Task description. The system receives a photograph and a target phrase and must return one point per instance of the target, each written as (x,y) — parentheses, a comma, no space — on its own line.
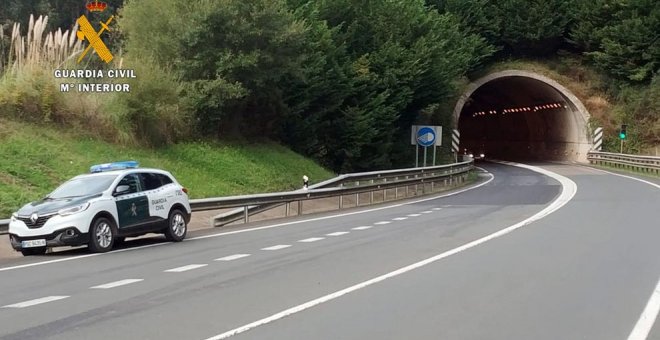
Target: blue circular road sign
(426,136)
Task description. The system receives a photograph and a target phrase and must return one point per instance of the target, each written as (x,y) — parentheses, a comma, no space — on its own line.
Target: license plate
(33,243)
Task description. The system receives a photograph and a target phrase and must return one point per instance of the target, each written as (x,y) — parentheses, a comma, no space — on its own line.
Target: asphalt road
(586,271)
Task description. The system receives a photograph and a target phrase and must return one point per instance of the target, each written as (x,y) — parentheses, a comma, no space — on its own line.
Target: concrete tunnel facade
(520,115)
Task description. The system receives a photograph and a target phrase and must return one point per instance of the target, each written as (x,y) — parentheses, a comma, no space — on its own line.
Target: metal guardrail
(339,186)
(4,225)
(649,164)
(349,184)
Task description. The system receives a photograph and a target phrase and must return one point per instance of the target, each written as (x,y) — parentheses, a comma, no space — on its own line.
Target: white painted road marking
(382,223)
(436,209)
(185,268)
(646,320)
(338,233)
(312,239)
(362,227)
(427,212)
(28,265)
(569,188)
(414,215)
(232,257)
(399,218)
(277,247)
(36,302)
(116,284)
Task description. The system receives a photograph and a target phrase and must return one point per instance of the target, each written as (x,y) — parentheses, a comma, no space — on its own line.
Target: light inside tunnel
(520,118)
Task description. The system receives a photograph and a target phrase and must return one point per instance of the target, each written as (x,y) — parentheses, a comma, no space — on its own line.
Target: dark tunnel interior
(521,118)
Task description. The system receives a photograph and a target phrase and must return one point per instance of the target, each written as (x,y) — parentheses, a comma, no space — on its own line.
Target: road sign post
(425,136)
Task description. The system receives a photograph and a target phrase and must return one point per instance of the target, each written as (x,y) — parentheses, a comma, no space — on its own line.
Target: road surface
(409,270)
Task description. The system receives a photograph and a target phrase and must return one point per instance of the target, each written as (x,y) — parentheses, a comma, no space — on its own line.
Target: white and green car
(115,201)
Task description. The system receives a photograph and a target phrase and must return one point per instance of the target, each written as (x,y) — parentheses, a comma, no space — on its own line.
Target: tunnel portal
(519,115)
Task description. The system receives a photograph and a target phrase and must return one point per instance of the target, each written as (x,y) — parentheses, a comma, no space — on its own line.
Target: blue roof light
(114,166)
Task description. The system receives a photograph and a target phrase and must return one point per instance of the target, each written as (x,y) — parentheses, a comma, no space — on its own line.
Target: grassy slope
(35,159)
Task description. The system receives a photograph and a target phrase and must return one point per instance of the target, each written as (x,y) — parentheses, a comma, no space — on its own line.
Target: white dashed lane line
(185,268)
(116,284)
(312,239)
(436,209)
(232,257)
(339,233)
(35,302)
(362,227)
(277,247)
(382,222)
(427,212)
(399,218)
(414,215)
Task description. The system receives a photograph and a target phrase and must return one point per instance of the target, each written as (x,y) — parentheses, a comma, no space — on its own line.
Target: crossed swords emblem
(88,32)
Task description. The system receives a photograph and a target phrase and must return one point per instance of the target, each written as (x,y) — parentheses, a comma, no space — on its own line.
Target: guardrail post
(341,198)
(371,194)
(246,214)
(407,186)
(288,209)
(300,207)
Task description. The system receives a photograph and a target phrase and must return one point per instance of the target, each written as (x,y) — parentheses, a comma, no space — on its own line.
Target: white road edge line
(647,319)
(253,229)
(116,284)
(277,247)
(312,239)
(185,268)
(365,227)
(36,302)
(569,189)
(650,313)
(338,233)
(232,257)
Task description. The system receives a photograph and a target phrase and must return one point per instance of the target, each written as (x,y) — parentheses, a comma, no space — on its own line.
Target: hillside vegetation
(339,81)
(37,158)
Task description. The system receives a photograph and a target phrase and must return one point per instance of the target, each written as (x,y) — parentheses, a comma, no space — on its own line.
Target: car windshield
(83,186)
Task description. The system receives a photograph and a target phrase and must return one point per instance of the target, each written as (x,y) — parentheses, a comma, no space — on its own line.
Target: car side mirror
(121,189)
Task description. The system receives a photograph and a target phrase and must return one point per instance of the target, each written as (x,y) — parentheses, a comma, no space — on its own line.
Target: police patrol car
(102,208)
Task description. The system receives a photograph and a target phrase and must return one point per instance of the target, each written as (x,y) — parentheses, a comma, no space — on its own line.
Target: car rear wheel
(101,235)
(33,251)
(176,226)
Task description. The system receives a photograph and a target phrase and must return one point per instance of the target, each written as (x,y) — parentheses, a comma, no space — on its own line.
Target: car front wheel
(176,226)
(101,235)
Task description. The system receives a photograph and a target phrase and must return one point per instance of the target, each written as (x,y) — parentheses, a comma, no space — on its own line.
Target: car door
(157,195)
(132,205)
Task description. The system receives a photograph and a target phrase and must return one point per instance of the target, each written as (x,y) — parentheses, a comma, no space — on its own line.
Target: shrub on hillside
(150,113)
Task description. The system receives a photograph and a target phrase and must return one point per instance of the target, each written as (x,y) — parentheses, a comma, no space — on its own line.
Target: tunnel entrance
(519,115)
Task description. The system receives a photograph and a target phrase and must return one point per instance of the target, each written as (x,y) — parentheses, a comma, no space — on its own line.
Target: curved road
(586,271)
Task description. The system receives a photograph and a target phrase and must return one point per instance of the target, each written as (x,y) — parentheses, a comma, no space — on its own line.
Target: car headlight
(471,155)
(73,210)
(482,155)
(14,216)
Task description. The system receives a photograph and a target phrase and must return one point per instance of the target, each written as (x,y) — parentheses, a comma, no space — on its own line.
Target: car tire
(101,235)
(177,227)
(33,251)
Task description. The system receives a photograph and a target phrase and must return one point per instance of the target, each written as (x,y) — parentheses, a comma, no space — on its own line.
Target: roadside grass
(36,158)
